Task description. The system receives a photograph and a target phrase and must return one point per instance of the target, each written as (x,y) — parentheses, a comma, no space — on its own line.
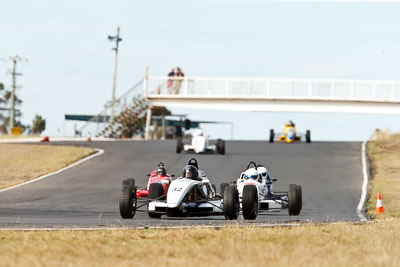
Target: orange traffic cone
(379,206)
(89,138)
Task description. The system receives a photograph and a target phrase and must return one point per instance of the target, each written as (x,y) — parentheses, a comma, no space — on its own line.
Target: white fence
(271,88)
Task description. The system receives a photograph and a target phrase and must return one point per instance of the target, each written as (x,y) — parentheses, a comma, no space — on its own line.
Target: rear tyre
(271,136)
(295,199)
(221,146)
(222,188)
(127,202)
(231,202)
(250,202)
(300,198)
(129,181)
(156,191)
(179,145)
(308,136)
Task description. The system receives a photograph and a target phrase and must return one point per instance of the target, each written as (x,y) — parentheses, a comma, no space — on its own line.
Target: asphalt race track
(88,194)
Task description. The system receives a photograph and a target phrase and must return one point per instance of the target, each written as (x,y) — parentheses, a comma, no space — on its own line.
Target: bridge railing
(324,89)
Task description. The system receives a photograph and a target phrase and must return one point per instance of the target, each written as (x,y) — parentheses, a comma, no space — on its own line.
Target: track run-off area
(87,195)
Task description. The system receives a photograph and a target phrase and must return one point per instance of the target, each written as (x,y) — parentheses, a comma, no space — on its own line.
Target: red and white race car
(157,188)
(157,176)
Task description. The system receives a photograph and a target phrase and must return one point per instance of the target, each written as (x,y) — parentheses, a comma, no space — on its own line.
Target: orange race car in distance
(289,134)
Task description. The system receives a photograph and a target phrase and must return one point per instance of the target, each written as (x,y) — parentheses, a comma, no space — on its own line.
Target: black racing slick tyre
(300,198)
(308,136)
(250,202)
(222,188)
(156,191)
(271,136)
(231,203)
(179,145)
(221,147)
(295,199)
(129,181)
(127,202)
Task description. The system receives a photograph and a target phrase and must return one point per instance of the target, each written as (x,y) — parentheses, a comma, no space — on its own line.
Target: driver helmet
(161,164)
(198,132)
(190,172)
(290,123)
(161,171)
(263,171)
(251,174)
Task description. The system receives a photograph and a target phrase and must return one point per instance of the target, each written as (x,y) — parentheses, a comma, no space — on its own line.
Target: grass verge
(20,163)
(384,157)
(372,244)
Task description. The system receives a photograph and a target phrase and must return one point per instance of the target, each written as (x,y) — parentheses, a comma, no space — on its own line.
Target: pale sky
(70,62)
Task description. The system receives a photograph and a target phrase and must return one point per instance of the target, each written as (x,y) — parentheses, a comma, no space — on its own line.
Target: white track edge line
(171,227)
(361,204)
(98,150)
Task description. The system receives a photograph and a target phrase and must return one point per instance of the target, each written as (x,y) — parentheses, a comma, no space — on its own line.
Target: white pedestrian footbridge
(247,94)
(274,94)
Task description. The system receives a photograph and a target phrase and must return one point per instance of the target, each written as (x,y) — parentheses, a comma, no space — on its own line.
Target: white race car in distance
(200,144)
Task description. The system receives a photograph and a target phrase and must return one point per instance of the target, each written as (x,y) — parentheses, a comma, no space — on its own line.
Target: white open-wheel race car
(191,194)
(256,194)
(200,144)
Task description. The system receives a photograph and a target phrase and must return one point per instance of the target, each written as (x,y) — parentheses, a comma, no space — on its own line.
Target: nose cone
(290,136)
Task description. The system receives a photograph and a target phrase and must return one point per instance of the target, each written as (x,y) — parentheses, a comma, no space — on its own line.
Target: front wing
(200,208)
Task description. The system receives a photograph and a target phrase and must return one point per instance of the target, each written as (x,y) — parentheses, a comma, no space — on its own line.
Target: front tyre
(221,146)
(231,203)
(179,145)
(271,136)
(295,199)
(127,202)
(308,136)
(156,191)
(250,202)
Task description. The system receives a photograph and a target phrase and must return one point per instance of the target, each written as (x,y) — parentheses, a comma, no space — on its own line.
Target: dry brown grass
(20,163)
(330,245)
(385,162)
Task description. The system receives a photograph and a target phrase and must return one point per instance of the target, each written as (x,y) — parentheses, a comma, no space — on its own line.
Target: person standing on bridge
(178,82)
(170,82)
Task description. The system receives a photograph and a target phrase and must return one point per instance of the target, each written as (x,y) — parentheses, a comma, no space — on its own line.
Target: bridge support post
(163,126)
(148,121)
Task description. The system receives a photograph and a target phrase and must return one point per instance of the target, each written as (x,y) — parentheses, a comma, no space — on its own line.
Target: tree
(3,109)
(5,99)
(137,127)
(38,125)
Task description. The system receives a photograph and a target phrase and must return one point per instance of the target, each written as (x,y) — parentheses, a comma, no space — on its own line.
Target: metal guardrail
(271,88)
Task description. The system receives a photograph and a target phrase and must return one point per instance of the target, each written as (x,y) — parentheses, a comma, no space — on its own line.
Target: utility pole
(14,60)
(117,39)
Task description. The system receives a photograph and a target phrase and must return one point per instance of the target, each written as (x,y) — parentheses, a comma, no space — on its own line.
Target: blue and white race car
(256,194)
